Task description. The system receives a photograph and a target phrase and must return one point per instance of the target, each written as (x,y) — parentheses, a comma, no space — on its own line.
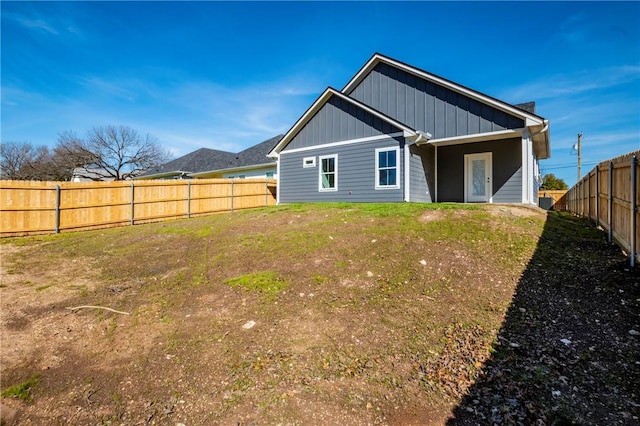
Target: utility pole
(579,156)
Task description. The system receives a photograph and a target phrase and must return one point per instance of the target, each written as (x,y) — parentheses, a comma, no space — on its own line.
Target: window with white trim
(328,171)
(387,168)
(308,162)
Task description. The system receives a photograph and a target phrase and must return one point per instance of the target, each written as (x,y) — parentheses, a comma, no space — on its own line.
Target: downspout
(278,178)
(407,172)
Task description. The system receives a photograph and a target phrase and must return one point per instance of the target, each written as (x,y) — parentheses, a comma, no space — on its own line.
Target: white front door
(477,178)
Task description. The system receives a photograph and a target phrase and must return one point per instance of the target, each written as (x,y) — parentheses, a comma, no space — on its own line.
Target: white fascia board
(233,169)
(480,137)
(315,107)
(530,119)
(341,143)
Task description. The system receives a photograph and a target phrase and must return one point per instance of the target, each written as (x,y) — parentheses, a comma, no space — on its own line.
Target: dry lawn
(302,314)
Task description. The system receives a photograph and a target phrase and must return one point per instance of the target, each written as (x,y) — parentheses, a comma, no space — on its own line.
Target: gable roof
(257,154)
(197,161)
(205,160)
(319,103)
(537,125)
(473,94)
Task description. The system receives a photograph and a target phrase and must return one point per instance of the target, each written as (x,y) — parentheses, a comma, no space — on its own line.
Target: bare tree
(23,161)
(110,153)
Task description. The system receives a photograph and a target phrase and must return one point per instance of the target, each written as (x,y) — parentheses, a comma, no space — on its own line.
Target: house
(88,174)
(250,163)
(211,163)
(397,133)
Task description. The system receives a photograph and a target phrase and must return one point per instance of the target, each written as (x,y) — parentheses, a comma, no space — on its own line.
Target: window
(387,168)
(328,173)
(270,175)
(309,162)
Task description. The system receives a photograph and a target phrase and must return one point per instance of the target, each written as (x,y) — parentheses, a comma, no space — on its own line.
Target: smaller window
(309,162)
(328,173)
(387,168)
(270,175)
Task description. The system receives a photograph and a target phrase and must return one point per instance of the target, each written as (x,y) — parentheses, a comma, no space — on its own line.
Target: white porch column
(527,167)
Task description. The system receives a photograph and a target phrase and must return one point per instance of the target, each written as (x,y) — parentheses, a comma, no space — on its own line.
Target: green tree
(551,182)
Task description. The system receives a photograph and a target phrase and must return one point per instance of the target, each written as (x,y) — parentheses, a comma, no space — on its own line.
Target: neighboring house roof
(257,154)
(196,161)
(254,157)
(319,103)
(537,125)
(205,161)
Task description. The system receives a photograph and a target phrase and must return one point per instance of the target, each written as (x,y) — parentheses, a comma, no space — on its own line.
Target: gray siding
(422,174)
(423,105)
(356,174)
(336,121)
(507,170)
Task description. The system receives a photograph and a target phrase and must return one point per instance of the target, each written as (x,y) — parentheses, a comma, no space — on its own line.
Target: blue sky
(227,75)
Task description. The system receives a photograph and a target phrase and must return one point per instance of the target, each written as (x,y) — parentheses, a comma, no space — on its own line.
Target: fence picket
(619,216)
(47,207)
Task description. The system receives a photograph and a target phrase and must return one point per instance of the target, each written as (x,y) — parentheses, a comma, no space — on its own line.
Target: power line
(566,166)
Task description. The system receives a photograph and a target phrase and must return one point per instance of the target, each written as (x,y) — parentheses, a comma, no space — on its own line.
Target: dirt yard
(327,314)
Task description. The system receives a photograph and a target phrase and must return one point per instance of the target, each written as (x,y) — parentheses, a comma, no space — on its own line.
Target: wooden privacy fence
(51,207)
(558,196)
(608,194)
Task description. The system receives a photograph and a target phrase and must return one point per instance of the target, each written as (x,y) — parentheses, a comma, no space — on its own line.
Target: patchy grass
(21,391)
(265,282)
(363,313)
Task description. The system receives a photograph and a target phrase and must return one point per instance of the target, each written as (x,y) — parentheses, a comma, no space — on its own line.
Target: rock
(634,332)
(555,393)
(423,262)
(514,345)
(249,325)
(369,274)
(566,341)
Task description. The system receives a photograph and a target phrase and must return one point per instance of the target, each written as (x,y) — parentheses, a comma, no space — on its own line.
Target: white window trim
(377,171)
(308,162)
(335,180)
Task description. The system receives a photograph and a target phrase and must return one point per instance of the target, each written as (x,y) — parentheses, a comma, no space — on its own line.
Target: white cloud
(572,84)
(51,25)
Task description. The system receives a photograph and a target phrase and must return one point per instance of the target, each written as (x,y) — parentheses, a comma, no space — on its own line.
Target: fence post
(132,204)
(188,200)
(57,219)
(589,196)
(597,203)
(634,208)
(231,195)
(610,219)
